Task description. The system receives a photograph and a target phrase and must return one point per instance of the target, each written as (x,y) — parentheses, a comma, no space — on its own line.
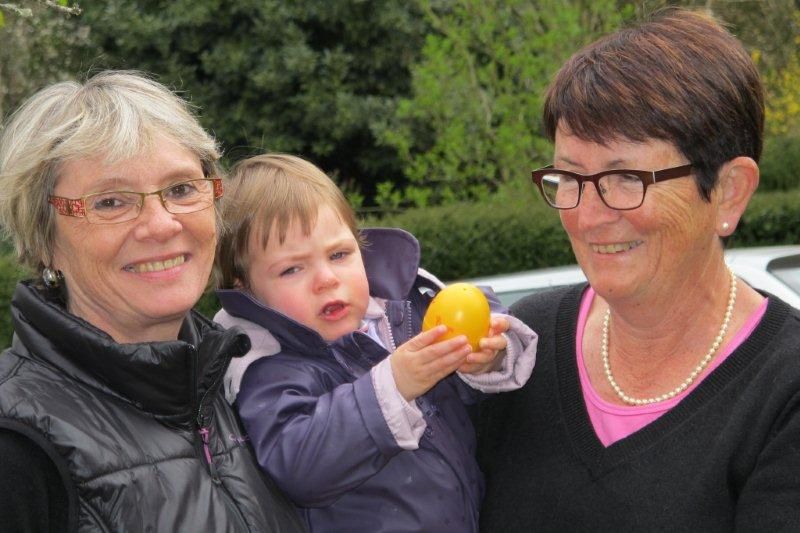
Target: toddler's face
(317,279)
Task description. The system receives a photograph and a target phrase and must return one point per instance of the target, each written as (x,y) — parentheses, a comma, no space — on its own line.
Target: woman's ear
(738,179)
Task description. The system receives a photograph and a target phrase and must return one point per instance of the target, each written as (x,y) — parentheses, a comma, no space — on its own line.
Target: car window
(509,297)
(787,269)
(788,275)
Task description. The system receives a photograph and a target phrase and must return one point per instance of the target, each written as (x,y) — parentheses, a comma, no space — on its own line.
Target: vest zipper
(204,430)
(212,468)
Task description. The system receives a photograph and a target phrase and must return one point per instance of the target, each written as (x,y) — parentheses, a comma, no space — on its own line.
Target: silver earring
(725,226)
(52,278)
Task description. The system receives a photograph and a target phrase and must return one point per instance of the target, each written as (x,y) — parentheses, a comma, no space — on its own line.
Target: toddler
(358,417)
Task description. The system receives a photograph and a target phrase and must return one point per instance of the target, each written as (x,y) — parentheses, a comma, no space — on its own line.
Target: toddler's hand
(491,346)
(421,363)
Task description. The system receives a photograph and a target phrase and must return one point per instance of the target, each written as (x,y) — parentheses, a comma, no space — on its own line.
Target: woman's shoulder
(778,329)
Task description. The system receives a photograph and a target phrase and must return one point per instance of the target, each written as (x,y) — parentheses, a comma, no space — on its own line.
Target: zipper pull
(212,469)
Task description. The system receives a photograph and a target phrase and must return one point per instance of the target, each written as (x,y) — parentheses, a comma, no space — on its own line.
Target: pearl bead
(692,376)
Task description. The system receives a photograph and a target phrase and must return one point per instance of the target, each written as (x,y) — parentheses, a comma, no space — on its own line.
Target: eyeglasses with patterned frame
(620,189)
(114,207)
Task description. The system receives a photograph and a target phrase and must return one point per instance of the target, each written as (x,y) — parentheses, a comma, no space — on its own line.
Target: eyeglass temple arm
(68,206)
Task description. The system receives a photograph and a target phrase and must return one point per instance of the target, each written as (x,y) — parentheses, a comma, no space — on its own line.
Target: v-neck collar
(587,446)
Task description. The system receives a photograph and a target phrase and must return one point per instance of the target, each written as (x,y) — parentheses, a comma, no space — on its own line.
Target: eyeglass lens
(619,191)
(120,206)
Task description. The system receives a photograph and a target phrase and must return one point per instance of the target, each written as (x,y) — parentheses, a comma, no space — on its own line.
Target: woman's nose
(592,209)
(155,222)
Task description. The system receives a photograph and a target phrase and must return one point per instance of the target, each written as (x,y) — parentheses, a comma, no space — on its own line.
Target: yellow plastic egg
(461,307)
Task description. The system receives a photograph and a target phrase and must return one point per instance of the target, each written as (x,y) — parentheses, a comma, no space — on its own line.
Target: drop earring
(52,278)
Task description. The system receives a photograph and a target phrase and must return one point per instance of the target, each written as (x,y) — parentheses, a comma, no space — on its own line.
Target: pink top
(613,422)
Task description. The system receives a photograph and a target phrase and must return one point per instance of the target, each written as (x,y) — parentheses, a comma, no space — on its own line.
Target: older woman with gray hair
(111,415)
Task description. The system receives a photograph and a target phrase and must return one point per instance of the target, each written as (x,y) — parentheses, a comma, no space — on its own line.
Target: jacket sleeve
(317,441)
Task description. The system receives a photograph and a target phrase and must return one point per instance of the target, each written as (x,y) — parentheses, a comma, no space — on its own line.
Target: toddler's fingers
(436,351)
(495,343)
(482,357)
(447,363)
(426,338)
(498,325)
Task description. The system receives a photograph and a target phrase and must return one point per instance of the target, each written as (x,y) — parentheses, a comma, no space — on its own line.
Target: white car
(775,269)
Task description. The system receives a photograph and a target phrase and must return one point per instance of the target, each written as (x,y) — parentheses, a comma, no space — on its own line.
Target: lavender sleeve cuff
(517,363)
(404,419)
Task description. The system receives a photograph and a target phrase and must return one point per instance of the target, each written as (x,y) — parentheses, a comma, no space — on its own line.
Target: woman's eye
(108,202)
(186,189)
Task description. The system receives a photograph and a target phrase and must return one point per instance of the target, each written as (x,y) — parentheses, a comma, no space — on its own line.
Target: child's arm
(502,365)
(318,443)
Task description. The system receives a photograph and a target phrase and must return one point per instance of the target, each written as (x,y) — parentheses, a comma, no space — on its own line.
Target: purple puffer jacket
(313,417)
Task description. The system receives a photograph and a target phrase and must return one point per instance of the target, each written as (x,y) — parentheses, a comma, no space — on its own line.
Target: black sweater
(726,457)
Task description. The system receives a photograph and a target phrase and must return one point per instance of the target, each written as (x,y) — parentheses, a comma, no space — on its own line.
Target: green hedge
(10,272)
(518,233)
(468,240)
(779,164)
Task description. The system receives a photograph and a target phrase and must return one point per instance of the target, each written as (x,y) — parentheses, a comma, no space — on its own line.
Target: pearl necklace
(697,370)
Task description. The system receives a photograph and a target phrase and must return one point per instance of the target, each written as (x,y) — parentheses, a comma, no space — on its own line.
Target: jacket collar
(167,379)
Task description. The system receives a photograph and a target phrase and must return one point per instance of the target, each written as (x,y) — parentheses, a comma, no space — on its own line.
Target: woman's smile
(156,266)
(615,247)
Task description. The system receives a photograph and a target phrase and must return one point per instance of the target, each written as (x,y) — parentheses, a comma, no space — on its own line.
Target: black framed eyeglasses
(113,207)
(620,189)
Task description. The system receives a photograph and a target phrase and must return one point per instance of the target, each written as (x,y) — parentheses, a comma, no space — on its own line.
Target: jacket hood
(391,259)
(166,379)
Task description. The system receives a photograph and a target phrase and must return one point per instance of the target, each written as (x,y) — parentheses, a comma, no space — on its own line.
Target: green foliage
(472,239)
(10,273)
(771,218)
(473,120)
(208,304)
(304,77)
(39,45)
(780,163)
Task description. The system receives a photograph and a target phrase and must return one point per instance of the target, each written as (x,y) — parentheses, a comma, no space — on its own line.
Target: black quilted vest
(140,432)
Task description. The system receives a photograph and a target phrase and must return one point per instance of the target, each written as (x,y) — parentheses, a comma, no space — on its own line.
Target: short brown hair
(680,77)
(266,191)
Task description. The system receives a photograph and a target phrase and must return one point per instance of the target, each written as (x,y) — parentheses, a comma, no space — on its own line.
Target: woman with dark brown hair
(667,391)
